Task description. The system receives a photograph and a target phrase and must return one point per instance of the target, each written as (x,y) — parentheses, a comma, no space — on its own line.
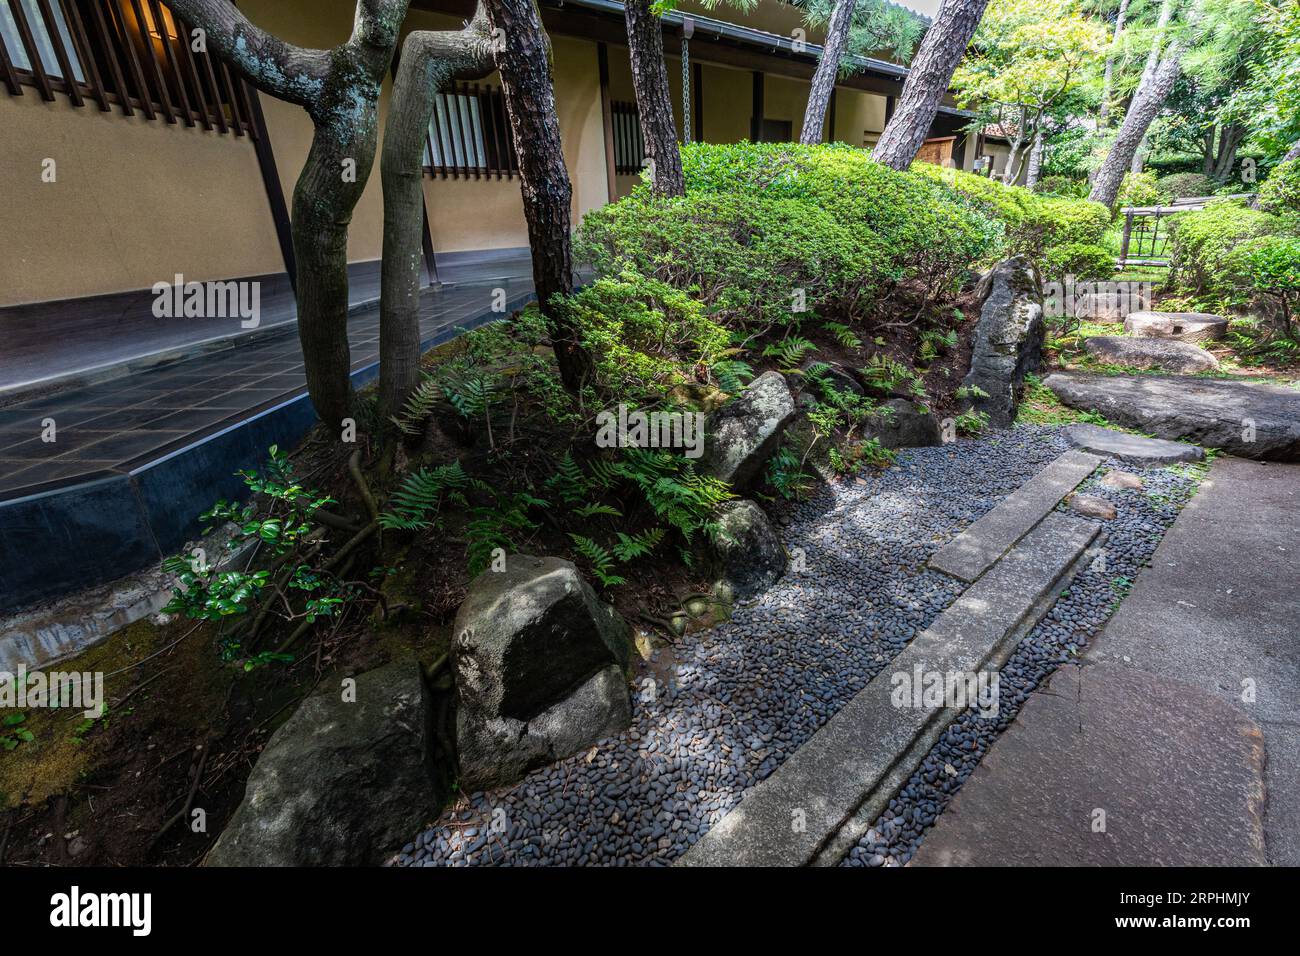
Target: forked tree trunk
(522,58)
(429,59)
(654,103)
(927,82)
(828,68)
(339,89)
(1146,104)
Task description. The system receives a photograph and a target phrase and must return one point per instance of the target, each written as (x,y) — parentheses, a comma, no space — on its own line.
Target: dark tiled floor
(115,426)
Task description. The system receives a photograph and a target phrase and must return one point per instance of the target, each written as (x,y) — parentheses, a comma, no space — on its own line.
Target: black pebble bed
(745,694)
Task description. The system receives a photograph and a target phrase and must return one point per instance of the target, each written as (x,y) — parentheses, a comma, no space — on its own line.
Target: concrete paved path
(1159,721)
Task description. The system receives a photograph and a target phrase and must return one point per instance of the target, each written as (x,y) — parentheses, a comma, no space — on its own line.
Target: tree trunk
(927,82)
(339,88)
(645,41)
(1035,161)
(522,58)
(1148,75)
(1207,150)
(1146,104)
(1229,141)
(428,60)
(828,68)
(1107,80)
(1293,152)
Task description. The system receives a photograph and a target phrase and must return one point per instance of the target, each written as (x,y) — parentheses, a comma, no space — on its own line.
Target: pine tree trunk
(1138,159)
(1229,141)
(1293,152)
(828,68)
(1107,81)
(429,60)
(645,41)
(522,57)
(1146,104)
(927,82)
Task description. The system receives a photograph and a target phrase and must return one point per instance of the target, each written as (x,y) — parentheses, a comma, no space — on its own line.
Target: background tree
(1150,96)
(1108,71)
(645,44)
(339,89)
(522,57)
(428,60)
(1031,62)
(927,81)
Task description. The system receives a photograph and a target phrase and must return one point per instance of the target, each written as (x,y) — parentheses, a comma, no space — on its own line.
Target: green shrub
(1036,225)
(1280,193)
(1062,186)
(1202,241)
(744,256)
(769,233)
(1268,268)
(1184,186)
(1082,260)
(1139,189)
(642,332)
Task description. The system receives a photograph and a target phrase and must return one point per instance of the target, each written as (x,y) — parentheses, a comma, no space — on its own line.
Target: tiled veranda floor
(115,426)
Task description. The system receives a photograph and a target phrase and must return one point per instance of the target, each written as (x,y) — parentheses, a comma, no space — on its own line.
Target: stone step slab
(975,550)
(1169,355)
(817,803)
(1134,449)
(1180,326)
(1248,419)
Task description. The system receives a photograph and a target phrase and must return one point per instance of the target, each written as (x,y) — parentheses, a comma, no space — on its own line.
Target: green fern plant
(789,352)
(601,561)
(732,374)
(417,502)
(631,547)
(843,334)
(418,407)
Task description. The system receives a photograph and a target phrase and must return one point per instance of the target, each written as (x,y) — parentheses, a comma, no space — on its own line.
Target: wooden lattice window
(469,134)
(130,54)
(629,144)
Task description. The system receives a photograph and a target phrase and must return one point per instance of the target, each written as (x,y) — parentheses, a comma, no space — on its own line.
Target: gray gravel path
(745,694)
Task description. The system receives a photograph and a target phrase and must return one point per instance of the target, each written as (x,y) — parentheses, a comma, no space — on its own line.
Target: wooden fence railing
(1146,229)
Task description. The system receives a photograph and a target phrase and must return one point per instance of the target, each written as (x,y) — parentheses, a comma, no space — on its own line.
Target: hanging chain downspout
(688,30)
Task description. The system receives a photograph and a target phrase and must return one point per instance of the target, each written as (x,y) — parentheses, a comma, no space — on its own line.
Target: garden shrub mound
(1203,242)
(1061,234)
(769,231)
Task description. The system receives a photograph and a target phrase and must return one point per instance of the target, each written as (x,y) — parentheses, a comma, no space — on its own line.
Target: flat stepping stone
(1180,326)
(1177,772)
(974,551)
(1169,355)
(1131,448)
(845,774)
(1243,418)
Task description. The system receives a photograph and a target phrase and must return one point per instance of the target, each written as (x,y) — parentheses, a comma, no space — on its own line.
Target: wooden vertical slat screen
(473,116)
(108,55)
(629,148)
(33,54)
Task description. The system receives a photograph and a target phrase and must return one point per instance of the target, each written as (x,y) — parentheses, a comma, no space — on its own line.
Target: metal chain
(686,90)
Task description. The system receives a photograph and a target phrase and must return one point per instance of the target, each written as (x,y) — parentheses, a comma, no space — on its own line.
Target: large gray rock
(901,423)
(1179,326)
(1246,419)
(746,553)
(535,657)
(1008,338)
(1167,354)
(743,434)
(339,783)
